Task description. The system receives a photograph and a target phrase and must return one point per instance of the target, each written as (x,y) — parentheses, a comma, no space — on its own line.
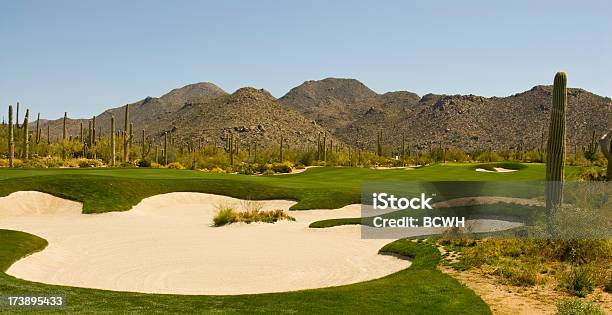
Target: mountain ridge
(352,113)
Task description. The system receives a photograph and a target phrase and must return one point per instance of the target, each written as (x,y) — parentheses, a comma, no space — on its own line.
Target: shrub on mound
(227,215)
(175,166)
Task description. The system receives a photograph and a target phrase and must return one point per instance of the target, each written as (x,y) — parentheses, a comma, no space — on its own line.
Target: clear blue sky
(85,56)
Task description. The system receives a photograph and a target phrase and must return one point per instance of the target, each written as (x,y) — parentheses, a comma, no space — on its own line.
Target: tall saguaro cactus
(606,149)
(11,138)
(127,134)
(113,144)
(555,153)
(166,148)
(38,129)
(26,136)
(64,136)
(281,149)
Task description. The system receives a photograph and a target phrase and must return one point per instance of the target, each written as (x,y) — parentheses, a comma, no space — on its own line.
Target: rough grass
(576,306)
(420,289)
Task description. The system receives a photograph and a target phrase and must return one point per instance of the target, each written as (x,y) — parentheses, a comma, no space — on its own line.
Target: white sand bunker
(495,170)
(166,245)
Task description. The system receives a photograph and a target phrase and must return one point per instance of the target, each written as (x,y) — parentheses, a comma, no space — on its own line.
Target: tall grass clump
(576,306)
(225,215)
(580,281)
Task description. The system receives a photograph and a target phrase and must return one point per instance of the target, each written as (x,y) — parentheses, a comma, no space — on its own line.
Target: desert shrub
(608,283)
(144,163)
(225,215)
(488,156)
(90,163)
(307,158)
(285,167)
(156,165)
(592,173)
(175,166)
(217,170)
(271,216)
(519,276)
(579,281)
(252,213)
(5,162)
(575,306)
(70,163)
(534,156)
(456,155)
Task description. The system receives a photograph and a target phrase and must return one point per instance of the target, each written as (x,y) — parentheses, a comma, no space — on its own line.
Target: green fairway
(102,190)
(420,289)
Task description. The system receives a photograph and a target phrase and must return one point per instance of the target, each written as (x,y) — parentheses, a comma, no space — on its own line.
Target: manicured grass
(102,190)
(420,289)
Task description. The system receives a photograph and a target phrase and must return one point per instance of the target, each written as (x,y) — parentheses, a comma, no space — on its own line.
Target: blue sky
(85,56)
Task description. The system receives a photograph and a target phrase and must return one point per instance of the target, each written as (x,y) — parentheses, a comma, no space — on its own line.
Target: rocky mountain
(352,114)
(466,121)
(205,113)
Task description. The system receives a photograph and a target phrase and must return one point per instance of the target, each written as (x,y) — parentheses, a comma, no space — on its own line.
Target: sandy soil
(166,244)
(510,300)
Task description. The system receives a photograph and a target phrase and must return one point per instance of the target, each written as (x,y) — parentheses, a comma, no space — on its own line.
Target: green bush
(285,167)
(575,306)
(225,215)
(144,163)
(90,163)
(175,166)
(579,281)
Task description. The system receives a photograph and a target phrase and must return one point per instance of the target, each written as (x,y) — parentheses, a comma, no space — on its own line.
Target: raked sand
(166,244)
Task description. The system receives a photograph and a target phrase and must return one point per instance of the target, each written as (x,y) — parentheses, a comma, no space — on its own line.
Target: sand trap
(496,170)
(166,244)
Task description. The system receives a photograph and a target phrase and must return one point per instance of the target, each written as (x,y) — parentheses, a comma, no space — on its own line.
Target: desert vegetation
(251,212)
(27,148)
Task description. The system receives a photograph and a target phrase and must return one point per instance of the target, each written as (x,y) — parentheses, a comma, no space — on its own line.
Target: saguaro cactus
(93,131)
(37,138)
(26,136)
(555,152)
(64,135)
(113,144)
(606,149)
(11,143)
(166,148)
(143,151)
(126,135)
(17,119)
(281,149)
